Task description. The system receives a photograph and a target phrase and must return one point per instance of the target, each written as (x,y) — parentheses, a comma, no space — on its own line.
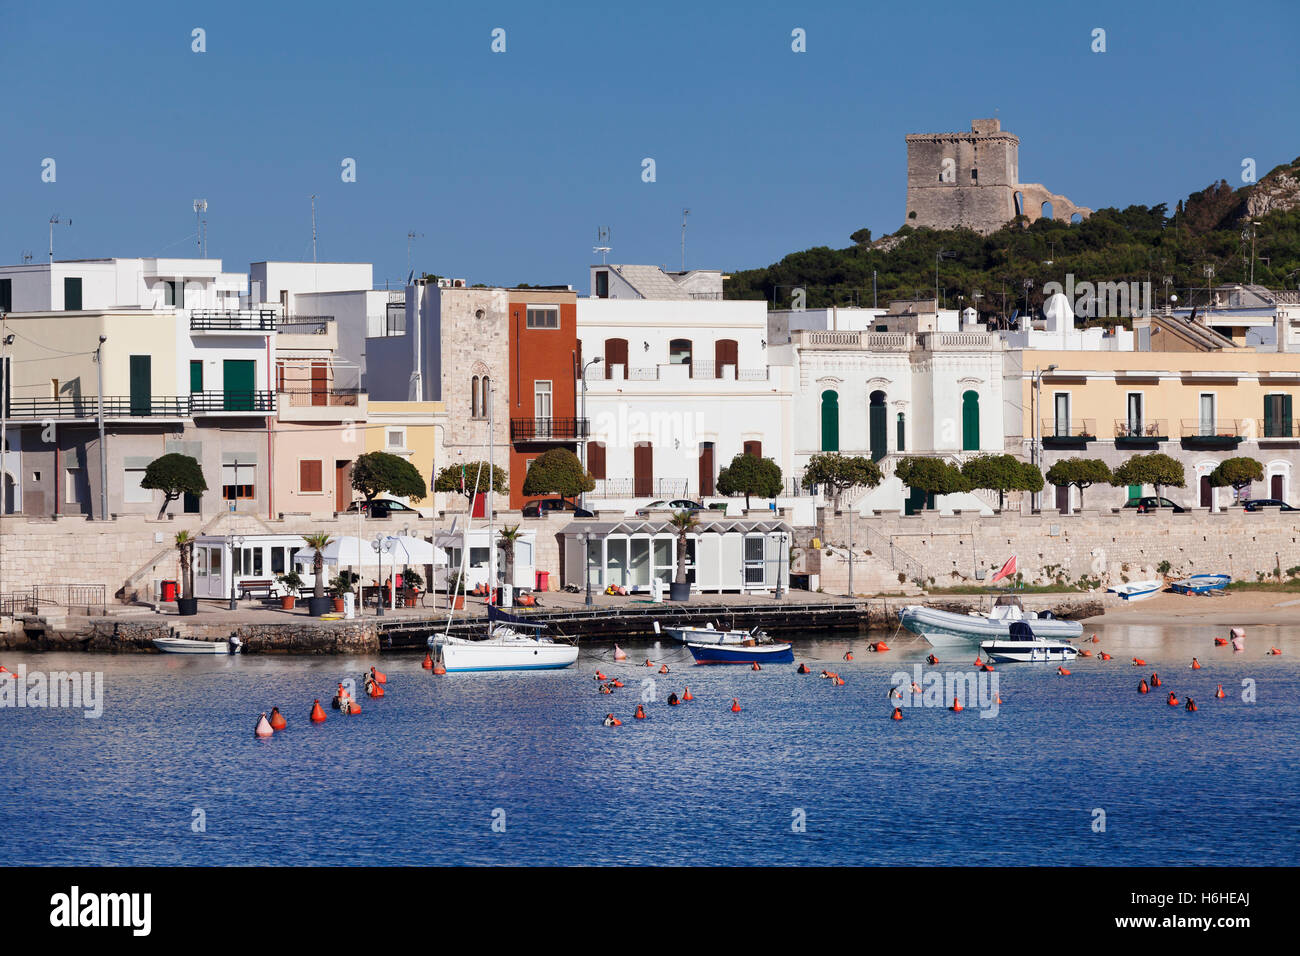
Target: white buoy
(263,728)
(619,653)
(1238,638)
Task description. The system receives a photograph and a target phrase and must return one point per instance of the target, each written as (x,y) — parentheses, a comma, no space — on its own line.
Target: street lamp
(586,564)
(103,447)
(783,560)
(381,545)
(235,540)
(582,500)
(1036,452)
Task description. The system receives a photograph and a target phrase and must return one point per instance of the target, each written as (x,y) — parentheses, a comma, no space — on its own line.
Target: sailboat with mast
(510,642)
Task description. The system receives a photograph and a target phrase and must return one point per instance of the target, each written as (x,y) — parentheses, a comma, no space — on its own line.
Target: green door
(879,426)
(830,421)
(196,376)
(970,421)
(141,384)
(1134,491)
(238,378)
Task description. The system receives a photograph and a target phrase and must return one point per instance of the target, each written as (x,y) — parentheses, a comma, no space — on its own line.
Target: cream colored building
(414,431)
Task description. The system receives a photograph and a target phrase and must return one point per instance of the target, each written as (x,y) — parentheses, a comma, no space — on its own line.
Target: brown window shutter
(596,459)
(309,475)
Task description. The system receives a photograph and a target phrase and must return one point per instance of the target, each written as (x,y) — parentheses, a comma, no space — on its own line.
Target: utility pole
(103,447)
(850,552)
(313,227)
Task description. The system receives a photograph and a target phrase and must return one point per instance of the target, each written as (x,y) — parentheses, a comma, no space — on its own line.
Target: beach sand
(1226,609)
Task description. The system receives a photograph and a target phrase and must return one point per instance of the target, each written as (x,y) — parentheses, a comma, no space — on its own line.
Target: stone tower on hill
(972,180)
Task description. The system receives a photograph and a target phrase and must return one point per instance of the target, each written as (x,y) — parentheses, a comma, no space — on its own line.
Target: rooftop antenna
(685,213)
(313,227)
(56,221)
(27,256)
(602,243)
(411,237)
(200,207)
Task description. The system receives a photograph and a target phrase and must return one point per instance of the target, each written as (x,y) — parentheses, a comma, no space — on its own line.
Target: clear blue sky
(508,162)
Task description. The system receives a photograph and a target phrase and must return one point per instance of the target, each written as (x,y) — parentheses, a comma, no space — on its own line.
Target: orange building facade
(544,378)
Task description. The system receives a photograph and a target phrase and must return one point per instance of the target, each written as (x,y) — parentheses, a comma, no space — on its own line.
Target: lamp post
(1036,442)
(235,540)
(783,560)
(103,447)
(6,340)
(381,544)
(586,565)
(582,499)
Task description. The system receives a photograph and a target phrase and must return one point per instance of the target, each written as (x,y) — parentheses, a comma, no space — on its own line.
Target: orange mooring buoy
(616,683)
(1155,680)
(1139,662)
(735,706)
(1196,665)
(898,713)
(439,669)
(647,663)
(1063,671)
(879,647)
(640,712)
(837,681)
(804,669)
(986,666)
(687,695)
(1173,700)
(1085,653)
(848,655)
(428,661)
(1191,704)
(277,719)
(374,689)
(663,669)
(606,689)
(1220,642)
(379,676)
(978,662)
(1104,655)
(754,666)
(317,712)
(932,659)
(263,729)
(1274,652)
(1142,687)
(612,721)
(600,675)
(1096,639)
(956,706)
(1219,693)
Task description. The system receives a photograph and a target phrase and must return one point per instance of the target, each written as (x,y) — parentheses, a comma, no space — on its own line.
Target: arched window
(878,424)
(473,397)
(830,420)
(970,421)
(485,397)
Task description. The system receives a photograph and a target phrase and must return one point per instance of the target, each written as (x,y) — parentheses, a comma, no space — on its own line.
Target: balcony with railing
(1277,429)
(119,407)
(227,321)
(1134,431)
(701,370)
(548,429)
(1214,433)
(897,341)
(238,402)
(321,404)
(1063,433)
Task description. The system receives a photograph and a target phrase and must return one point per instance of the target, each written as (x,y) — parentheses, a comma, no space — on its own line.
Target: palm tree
(683,522)
(319,542)
(509,535)
(185,545)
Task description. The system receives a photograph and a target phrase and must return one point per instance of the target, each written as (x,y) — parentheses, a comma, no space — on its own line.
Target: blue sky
(508,162)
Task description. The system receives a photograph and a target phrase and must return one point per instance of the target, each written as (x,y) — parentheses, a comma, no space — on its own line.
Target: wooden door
(342,485)
(725,352)
(706,469)
(643,469)
(319,383)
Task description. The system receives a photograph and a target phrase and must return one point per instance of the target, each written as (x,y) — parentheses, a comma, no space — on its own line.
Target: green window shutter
(901,444)
(830,421)
(970,421)
(237,383)
(72,293)
(141,384)
(1285,424)
(1269,423)
(196,376)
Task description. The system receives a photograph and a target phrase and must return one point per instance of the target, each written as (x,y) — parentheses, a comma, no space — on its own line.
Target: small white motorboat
(185,645)
(504,648)
(1022,646)
(708,635)
(949,629)
(1137,590)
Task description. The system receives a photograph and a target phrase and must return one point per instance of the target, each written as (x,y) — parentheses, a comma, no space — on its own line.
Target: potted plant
(318,603)
(412,581)
(455,596)
(188,604)
(683,522)
(291,582)
(340,586)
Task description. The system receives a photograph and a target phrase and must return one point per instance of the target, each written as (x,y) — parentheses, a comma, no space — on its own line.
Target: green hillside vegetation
(1136,244)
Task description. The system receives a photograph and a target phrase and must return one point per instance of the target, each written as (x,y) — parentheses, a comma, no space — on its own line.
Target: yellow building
(1197,407)
(414,431)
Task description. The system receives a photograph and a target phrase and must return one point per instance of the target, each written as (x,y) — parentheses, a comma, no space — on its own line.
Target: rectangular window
(754,564)
(309,477)
(1207,414)
(71,479)
(542,408)
(174,294)
(237,481)
(72,293)
(543,317)
(6,295)
(196,376)
(131,490)
(602,284)
(396,438)
(1277,415)
(277,561)
(1136,424)
(1062,407)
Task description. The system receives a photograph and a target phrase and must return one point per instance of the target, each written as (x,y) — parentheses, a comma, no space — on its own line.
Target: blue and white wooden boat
(1201,583)
(741,653)
(1137,590)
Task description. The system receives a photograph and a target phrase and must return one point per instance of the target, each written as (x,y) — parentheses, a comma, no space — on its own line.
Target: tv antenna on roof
(685,213)
(200,207)
(602,243)
(56,221)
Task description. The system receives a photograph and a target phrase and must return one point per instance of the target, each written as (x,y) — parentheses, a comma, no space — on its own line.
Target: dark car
(1257,504)
(382,508)
(541,507)
(1152,503)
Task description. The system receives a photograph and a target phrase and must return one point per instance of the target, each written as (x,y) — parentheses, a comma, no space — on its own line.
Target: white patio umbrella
(344,551)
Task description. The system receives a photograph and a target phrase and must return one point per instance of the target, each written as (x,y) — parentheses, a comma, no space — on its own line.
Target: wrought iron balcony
(233,320)
(86,407)
(548,429)
(248,402)
(1140,431)
(1216,433)
(1277,429)
(1058,431)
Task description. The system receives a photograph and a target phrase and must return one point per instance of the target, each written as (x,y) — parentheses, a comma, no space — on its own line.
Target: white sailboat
(507,644)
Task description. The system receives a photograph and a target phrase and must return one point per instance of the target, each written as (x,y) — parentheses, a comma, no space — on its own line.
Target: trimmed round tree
(174,475)
(1080,472)
(379,473)
(1001,473)
(558,472)
(461,479)
(839,473)
(1237,473)
(750,475)
(1156,469)
(931,476)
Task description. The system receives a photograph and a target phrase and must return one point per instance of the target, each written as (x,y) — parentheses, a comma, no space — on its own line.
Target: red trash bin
(169,590)
(543,580)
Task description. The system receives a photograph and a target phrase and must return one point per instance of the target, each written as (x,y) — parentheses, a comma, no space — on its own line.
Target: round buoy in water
(848,655)
(374,689)
(687,695)
(1142,687)
(619,653)
(1191,704)
(898,713)
(663,669)
(277,719)
(616,683)
(754,666)
(1274,652)
(956,706)
(640,712)
(1219,693)
(1173,700)
(263,728)
(612,721)
(428,662)
(600,675)
(1155,680)
(932,659)
(379,676)
(439,669)
(735,706)
(647,663)
(1196,665)
(1063,671)
(803,669)
(1139,662)
(317,712)
(1104,656)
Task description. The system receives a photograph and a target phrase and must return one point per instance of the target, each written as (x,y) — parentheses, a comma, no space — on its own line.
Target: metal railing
(305,325)
(308,397)
(882,545)
(549,429)
(1150,429)
(233,320)
(32,599)
(1277,428)
(204,403)
(87,407)
(612,488)
(1212,428)
(1074,428)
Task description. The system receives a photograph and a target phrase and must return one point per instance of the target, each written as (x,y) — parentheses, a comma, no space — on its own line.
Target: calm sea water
(421,775)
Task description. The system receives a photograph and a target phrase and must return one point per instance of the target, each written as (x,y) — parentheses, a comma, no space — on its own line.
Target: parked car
(1256,504)
(1152,503)
(677,504)
(382,508)
(541,507)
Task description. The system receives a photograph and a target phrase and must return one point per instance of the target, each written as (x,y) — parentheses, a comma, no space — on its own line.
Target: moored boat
(1137,590)
(949,629)
(1201,583)
(748,653)
(507,647)
(708,635)
(1023,646)
(185,645)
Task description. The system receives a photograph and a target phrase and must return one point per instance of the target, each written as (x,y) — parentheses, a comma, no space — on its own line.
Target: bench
(266,587)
